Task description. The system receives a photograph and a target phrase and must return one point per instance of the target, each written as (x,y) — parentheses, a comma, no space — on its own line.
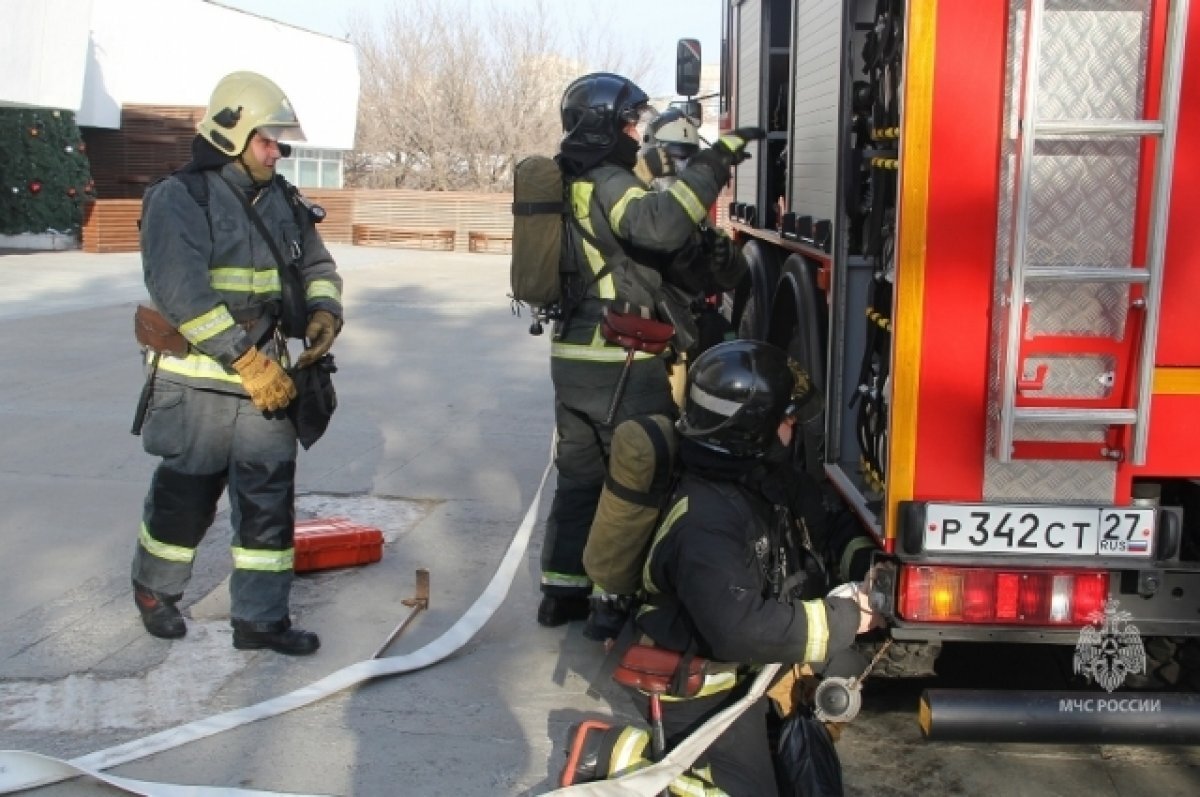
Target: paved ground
(441,436)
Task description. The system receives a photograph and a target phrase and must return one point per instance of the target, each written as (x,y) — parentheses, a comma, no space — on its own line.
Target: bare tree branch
(453,96)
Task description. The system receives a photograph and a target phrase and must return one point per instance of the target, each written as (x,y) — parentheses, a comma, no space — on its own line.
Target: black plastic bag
(806,761)
(315,400)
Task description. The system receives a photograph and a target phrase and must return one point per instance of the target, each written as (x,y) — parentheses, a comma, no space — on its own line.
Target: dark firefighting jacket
(718,584)
(211,274)
(630,235)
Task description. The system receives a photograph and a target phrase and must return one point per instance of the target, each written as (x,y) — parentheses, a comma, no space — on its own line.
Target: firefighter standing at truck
(723,577)
(710,265)
(216,415)
(706,266)
(620,235)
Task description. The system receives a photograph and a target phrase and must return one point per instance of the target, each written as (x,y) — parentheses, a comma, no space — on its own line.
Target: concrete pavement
(442,433)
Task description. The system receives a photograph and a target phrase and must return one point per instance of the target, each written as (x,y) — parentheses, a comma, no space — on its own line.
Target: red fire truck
(969,221)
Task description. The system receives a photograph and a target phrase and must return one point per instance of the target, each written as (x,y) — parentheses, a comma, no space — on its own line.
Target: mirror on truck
(687,67)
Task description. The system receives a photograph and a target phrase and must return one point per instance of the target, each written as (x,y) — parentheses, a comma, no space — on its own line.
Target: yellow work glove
(269,386)
(321,330)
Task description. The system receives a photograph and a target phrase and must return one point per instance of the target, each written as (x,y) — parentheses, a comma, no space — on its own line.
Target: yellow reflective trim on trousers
(592,353)
(677,511)
(714,683)
(244,280)
(322,289)
(817,646)
(686,197)
(581,203)
(629,752)
(196,366)
(205,326)
(552,579)
(162,550)
(267,561)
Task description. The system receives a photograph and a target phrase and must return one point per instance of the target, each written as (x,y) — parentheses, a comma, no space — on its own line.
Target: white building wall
(172,52)
(43,52)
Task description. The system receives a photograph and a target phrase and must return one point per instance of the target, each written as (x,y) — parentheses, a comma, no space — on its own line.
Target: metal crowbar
(416,603)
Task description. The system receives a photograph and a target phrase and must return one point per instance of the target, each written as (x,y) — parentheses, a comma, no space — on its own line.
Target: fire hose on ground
(20,770)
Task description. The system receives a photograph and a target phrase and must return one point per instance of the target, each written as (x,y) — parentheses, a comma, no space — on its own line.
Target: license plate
(1040,530)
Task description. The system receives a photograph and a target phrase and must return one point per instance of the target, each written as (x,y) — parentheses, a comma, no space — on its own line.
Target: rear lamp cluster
(940,594)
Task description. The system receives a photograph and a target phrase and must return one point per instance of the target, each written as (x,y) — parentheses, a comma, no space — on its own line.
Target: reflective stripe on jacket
(702,564)
(205,271)
(623,215)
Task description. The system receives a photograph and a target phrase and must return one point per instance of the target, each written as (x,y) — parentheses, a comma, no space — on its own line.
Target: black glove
(608,616)
(735,141)
(729,151)
(720,247)
(657,162)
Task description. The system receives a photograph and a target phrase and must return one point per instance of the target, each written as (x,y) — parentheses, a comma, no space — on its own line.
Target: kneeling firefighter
(212,236)
(724,578)
(620,237)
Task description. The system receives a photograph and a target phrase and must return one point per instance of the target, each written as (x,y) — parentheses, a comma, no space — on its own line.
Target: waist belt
(259,321)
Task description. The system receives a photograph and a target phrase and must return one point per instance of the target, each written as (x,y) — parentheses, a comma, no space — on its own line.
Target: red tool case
(326,543)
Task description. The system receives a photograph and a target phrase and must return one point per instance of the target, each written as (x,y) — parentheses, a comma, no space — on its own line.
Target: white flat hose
(654,779)
(21,770)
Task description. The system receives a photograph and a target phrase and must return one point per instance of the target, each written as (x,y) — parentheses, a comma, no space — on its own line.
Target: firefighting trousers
(208,442)
(582,393)
(738,763)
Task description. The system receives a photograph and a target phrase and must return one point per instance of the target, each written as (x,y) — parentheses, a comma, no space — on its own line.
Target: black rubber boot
(159,614)
(589,753)
(279,637)
(555,610)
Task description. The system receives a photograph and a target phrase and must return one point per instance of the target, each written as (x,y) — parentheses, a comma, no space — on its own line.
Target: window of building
(312,168)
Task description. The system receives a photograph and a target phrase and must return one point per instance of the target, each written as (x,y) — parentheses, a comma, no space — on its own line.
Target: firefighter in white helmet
(216,413)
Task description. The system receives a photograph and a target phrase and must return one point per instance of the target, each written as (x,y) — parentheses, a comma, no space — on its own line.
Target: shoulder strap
(257,221)
(197,186)
(662,480)
(293,312)
(609,255)
(306,212)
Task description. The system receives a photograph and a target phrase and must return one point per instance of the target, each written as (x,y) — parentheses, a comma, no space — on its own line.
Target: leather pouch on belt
(155,332)
(653,669)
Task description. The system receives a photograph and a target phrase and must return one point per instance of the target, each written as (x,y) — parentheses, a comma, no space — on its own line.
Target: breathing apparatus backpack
(641,475)
(542,261)
(539,210)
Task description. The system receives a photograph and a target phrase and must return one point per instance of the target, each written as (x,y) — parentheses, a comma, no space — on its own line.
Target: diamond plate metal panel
(1091,59)
(1081,212)
(1073,377)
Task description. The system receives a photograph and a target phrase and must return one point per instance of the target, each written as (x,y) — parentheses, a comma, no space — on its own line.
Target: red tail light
(939,594)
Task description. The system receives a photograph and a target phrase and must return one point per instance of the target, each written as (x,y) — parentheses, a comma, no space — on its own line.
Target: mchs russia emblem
(1110,648)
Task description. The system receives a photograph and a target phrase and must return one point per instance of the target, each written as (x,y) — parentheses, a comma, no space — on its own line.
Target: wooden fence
(446,220)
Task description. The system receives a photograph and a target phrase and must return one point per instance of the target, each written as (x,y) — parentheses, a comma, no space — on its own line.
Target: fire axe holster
(154,332)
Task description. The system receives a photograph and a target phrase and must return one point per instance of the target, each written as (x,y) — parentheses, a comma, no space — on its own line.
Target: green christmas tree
(44,173)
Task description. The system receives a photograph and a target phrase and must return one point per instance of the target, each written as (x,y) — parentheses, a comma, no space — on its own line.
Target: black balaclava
(624,152)
(205,156)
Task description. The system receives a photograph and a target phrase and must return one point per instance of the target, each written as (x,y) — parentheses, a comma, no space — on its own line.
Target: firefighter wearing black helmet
(722,574)
(621,234)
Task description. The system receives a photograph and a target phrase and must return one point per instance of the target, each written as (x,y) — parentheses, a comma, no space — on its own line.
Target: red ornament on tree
(35,186)
(71,192)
